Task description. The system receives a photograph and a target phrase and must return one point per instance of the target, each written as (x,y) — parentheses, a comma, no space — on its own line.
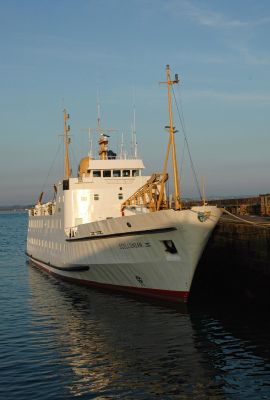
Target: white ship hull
(152,254)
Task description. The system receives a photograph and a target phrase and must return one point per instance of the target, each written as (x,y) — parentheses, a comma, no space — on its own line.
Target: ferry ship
(112,227)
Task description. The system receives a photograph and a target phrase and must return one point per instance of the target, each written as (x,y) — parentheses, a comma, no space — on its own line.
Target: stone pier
(235,265)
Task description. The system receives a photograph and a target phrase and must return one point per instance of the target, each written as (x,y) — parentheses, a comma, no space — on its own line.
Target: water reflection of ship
(114,344)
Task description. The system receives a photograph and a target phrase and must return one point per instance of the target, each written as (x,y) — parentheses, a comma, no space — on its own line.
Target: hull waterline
(164,295)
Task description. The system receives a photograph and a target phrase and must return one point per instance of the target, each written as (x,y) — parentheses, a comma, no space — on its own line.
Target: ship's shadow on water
(106,346)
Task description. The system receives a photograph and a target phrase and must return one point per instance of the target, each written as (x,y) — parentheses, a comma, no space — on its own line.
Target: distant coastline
(15,208)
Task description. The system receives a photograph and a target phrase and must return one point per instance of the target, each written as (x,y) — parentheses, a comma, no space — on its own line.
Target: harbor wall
(235,265)
(258,205)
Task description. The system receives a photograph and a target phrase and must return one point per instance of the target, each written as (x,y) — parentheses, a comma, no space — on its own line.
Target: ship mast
(66,144)
(152,194)
(171,144)
(134,135)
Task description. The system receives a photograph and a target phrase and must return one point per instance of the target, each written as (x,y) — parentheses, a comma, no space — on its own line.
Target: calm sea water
(61,341)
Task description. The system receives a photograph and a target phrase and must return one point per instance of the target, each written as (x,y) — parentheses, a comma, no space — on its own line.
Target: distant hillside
(15,208)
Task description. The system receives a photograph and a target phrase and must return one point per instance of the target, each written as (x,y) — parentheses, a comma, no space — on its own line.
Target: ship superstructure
(111,226)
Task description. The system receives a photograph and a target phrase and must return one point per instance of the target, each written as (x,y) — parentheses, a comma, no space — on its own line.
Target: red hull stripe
(167,295)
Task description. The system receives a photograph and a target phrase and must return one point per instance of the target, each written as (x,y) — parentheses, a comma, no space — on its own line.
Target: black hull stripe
(122,234)
(70,268)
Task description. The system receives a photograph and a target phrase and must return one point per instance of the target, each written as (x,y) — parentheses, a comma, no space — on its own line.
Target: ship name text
(133,245)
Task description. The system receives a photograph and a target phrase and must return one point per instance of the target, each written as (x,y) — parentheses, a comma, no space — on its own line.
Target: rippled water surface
(61,341)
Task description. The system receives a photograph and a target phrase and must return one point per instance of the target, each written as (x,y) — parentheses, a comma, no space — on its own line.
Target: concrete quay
(235,266)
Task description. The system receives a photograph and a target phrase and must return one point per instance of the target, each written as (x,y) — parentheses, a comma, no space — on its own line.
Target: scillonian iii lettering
(133,245)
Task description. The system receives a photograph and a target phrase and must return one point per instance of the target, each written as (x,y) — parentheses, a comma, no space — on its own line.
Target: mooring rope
(258,224)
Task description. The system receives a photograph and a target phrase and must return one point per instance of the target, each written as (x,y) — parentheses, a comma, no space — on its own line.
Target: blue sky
(59,53)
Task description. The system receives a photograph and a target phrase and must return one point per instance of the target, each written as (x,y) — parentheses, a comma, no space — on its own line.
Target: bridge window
(116,173)
(107,173)
(96,174)
(135,172)
(126,172)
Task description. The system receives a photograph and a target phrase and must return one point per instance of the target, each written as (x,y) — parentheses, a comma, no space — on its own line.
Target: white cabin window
(126,172)
(107,173)
(120,196)
(116,173)
(135,172)
(96,174)
(96,196)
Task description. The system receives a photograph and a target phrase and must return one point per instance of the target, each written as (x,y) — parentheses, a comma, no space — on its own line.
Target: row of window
(39,223)
(115,173)
(120,196)
(47,244)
